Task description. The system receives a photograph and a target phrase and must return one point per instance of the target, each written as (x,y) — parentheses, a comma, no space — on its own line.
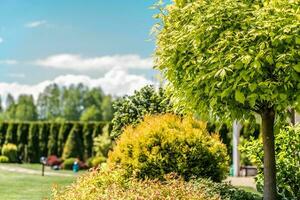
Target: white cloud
(1,40)
(79,63)
(116,82)
(35,24)
(8,62)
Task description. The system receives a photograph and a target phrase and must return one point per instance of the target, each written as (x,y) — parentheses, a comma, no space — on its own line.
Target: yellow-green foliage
(4,159)
(10,151)
(97,161)
(108,185)
(68,163)
(167,143)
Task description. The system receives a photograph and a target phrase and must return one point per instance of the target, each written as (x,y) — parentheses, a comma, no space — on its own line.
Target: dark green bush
(4,159)
(287,152)
(130,110)
(10,151)
(68,163)
(167,143)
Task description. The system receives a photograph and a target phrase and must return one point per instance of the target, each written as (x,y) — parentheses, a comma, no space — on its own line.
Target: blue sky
(44,41)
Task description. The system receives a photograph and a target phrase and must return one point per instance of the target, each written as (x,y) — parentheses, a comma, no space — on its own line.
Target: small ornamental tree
(234,56)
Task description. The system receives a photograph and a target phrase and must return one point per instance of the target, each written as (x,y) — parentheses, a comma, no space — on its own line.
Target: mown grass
(38,167)
(21,186)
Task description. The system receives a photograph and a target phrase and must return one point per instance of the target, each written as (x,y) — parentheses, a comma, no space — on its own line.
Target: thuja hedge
(36,139)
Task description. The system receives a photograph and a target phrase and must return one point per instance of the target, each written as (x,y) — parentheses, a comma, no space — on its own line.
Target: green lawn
(38,167)
(18,186)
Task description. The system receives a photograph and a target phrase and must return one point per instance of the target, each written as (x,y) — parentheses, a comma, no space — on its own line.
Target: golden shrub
(163,144)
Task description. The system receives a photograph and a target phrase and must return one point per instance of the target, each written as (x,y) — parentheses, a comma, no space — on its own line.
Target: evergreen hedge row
(36,139)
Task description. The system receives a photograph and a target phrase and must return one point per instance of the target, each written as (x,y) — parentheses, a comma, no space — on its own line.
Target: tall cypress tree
(33,143)
(11,134)
(44,129)
(22,135)
(53,136)
(87,132)
(74,146)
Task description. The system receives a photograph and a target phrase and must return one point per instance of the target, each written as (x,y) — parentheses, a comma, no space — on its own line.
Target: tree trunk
(293,116)
(268,117)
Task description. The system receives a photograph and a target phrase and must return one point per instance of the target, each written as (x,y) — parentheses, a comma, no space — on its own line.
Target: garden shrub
(130,110)
(97,161)
(4,159)
(167,143)
(287,150)
(10,151)
(89,162)
(103,143)
(106,185)
(68,163)
(53,160)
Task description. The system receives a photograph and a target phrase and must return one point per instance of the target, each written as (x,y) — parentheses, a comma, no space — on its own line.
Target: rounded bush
(167,143)
(53,160)
(89,162)
(97,161)
(4,159)
(10,151)
(68,163)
